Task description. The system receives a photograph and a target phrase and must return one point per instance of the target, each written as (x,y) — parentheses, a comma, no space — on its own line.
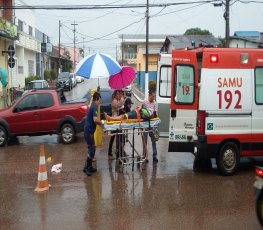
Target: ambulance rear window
(259,85)
(165,81)
(184,84)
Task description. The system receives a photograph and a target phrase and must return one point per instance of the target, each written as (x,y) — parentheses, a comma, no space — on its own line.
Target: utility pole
(83,47)
(226,16)
(74,31)
(147,46)
(59,60)
(122,51)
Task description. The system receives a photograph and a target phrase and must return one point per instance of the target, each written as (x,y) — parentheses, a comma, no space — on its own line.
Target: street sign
(11,62)
(11,50)
(11,53)
(43,47)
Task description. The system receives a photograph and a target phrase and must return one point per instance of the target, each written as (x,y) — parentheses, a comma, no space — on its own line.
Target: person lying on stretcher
(138,113)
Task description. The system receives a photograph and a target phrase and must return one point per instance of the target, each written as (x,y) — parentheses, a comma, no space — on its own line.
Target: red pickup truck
(41,112)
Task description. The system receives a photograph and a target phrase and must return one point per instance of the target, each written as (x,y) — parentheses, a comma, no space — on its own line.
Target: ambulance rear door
(163,93)
(184,100)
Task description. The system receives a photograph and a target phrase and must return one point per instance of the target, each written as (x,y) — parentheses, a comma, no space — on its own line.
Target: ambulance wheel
(202,164)
(120,169)
(228,159)
(259,208)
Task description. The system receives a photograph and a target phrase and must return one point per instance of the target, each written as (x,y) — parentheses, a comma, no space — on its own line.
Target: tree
(197,31)
(222,40)
(53,75)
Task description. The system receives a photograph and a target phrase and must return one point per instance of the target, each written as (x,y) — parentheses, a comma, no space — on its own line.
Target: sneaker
(111,157)
(92,169)
(88,171)
(94,158)
(155,159)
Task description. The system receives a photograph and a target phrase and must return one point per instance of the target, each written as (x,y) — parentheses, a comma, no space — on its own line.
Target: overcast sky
(98,30)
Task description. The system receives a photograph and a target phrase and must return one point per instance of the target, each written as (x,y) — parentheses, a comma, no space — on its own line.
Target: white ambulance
(217,105)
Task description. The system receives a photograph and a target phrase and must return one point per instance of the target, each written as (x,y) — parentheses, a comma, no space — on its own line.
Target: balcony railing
(130,56)
(29,42)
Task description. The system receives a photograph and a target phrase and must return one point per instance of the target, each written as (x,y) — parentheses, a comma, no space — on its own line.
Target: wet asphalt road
(164,195)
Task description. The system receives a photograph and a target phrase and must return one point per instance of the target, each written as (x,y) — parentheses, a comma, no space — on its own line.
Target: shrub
(53,75)
(47,75)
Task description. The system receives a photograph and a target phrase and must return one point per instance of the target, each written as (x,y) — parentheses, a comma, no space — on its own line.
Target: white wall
(27,16)
(236,43)
(26,47)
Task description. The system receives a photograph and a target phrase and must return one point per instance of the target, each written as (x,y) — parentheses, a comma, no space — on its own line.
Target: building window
(30,67)
(30,30)
(130,53)
(20,25)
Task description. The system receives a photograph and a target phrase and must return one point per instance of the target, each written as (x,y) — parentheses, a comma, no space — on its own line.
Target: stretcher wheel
(120,169)
(119,166)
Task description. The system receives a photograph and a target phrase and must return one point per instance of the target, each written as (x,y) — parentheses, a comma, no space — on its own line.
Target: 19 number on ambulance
(185,86)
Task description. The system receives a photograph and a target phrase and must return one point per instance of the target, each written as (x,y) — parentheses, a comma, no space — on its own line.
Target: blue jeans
(89,137)
(153,144)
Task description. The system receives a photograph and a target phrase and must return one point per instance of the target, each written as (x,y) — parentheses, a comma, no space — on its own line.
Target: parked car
(64,81)
(105,104)
(37,84)
(79,79)
(128,90)
(42,112)
(73,78)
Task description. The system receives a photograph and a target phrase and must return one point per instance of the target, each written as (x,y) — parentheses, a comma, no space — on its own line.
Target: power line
(117,30)
(175,11)
(95,7)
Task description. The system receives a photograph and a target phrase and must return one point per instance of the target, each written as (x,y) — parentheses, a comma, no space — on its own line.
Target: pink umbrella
(122,79)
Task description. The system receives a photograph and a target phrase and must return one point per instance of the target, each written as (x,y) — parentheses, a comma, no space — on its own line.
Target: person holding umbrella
(92,119)
(116,104)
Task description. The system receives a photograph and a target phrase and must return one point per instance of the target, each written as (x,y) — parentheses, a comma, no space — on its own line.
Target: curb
(137,97)
(135,94)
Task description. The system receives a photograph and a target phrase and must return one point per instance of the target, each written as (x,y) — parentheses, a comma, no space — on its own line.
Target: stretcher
(123,130)
(130,124)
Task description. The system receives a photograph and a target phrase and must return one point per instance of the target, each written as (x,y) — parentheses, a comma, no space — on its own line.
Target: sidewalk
(137,92)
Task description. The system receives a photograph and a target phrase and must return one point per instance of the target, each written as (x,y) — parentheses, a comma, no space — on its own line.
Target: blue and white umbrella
(98,65)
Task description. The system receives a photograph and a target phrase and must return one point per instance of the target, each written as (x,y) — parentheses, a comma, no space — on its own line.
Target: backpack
(145,114)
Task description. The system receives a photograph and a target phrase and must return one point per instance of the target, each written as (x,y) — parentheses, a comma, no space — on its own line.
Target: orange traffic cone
(42,183)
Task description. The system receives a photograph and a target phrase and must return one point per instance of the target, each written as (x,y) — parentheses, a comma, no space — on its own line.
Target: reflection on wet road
(166,195)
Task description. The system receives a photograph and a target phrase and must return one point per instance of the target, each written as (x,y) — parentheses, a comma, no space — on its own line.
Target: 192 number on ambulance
(228,97)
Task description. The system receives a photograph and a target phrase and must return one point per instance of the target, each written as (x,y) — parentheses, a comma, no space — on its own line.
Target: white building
(247,39)
(27,47)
